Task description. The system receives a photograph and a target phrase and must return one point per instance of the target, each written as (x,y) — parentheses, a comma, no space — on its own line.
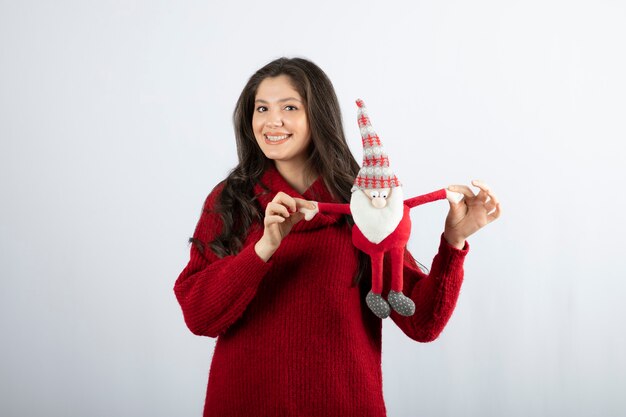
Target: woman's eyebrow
(279,101)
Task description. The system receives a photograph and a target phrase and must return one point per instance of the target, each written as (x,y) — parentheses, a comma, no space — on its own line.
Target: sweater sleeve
(334,208)
(214,292)
(435,295)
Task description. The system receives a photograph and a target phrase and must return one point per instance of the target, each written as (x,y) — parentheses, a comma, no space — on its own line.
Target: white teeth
(277,138)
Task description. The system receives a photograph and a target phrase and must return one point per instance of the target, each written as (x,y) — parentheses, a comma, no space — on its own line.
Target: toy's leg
(399,302)
(374,300)
(397,268)
(377,272)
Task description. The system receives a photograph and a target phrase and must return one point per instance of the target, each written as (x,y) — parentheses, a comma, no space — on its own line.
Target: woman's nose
(274,119)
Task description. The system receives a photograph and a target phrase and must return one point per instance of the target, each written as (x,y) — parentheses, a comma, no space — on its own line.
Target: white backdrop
(115,123)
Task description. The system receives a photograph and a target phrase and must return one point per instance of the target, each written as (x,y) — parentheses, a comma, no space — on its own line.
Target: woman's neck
(294,174)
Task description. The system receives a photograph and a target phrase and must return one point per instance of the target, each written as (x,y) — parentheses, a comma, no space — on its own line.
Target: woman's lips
(276,140)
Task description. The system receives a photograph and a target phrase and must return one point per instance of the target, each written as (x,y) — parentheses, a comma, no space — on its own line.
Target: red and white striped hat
(375,171)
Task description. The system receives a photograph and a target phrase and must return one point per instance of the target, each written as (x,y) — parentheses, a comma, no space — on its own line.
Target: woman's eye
(261,109)
(291,108)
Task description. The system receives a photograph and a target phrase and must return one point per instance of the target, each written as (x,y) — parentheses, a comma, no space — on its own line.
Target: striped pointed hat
(375,171)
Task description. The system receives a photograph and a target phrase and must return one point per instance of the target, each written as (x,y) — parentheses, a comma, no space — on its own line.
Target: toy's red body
(394,243)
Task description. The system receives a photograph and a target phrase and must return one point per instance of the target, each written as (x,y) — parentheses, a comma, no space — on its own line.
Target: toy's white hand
(309,213)
(453,196)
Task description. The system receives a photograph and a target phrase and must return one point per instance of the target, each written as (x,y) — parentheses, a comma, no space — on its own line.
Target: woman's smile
(274,139)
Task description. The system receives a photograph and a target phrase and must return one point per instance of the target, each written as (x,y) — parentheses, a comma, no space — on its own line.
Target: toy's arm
(334,208)
(434,196)
(426,198)
(325,208)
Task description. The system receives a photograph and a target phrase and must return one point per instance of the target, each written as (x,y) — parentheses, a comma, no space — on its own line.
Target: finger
(485,191)
(270,220)
(496,213)
(493,198)
(463,189)
(276,208)
(286,200)
(301,203)
(480,184)
(297,217)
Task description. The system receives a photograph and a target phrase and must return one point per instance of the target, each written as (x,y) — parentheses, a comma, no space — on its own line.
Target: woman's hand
(470,214)
(280,215)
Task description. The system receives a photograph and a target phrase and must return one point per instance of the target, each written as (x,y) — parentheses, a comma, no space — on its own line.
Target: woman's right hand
(280,215)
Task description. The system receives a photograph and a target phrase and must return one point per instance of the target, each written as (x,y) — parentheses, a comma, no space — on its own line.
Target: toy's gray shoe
(378,305)
(401,303)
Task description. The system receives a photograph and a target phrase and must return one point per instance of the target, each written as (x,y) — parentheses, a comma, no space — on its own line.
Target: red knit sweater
(295,338)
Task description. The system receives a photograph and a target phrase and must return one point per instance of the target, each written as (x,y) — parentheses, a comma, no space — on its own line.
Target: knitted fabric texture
(294,337)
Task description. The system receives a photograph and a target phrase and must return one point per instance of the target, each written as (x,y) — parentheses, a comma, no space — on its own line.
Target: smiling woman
(281,128)
(285,297)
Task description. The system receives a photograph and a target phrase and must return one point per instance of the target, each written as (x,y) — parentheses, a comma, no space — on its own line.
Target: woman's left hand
(471,214)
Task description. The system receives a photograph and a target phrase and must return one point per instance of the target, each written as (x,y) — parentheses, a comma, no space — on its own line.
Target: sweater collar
(318,191)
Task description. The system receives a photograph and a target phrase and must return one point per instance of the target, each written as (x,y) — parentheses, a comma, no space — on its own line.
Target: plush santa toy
(381,217)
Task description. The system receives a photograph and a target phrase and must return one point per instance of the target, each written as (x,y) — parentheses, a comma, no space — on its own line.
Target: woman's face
(279,121)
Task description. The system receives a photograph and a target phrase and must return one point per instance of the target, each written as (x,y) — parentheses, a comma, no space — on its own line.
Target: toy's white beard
(376,224)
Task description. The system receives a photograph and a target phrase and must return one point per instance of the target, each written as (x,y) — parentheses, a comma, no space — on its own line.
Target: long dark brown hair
(329,154)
